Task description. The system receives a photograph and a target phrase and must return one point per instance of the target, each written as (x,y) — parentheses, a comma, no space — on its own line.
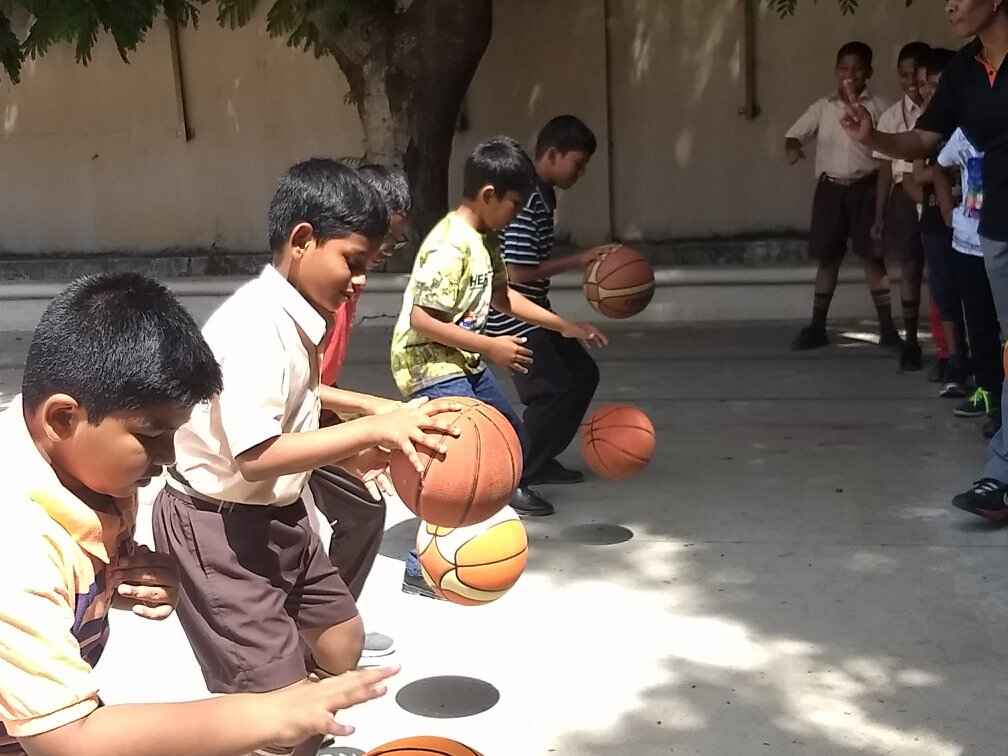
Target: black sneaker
(527,503)
(979,404)
(911,358)
(556,474)
(891,340)
(415,585)
(810,337)
(938,372)
(984,499)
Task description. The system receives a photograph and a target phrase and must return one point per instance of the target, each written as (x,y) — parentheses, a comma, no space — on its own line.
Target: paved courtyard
(786,578)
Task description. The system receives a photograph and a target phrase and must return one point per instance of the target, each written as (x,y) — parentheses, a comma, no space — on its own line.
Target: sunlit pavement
(786,578)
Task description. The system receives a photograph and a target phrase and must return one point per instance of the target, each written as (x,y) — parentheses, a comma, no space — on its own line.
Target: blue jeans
(482,386)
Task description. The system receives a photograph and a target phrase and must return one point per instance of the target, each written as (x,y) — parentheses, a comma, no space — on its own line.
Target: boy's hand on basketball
(587,334)
(308,709)
(372,467)
(417,423)
(856,121)
(147,584)
(509,352)
(378,405)
(591,255)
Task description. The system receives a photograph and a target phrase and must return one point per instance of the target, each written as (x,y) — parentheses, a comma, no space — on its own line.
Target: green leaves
(788,7)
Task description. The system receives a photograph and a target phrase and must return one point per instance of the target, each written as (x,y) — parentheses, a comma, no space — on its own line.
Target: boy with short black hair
(897,226)
(562,379)
(843,206)
(258,586)
(439,347)
(114,368)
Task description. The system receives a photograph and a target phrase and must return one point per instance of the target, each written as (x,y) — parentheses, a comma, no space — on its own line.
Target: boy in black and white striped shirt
(562,379)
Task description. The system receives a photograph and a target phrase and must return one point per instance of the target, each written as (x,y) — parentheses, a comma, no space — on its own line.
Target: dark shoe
(911,358)
(556,474)
(984,499)
(527,503)
(992,426)
(980,404)
(810,338)
(938,372)
(415,585)
(891,340)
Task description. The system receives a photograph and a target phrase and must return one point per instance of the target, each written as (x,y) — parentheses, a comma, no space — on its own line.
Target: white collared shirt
(837,155)
(899,118)
(266,337)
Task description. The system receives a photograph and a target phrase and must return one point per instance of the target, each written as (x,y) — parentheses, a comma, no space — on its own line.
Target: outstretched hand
(857,122)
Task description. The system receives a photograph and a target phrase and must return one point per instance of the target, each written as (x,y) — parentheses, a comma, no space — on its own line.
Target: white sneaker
(377,645)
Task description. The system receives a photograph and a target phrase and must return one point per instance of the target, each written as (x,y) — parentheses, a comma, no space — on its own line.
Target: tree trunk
(408,73)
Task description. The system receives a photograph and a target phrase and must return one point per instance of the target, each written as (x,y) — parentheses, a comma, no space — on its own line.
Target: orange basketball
(618,441)
(473,480)
(476,564)
(619,284)
(424,745)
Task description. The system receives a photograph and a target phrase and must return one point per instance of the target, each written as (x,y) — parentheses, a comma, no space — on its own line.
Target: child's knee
(337,649)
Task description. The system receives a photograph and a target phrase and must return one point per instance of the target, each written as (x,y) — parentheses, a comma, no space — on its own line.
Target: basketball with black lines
(424,745)
(619,283)
(476,564)
(618,441)
(473,479)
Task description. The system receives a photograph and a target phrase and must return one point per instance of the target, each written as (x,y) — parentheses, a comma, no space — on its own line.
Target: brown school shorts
(842,212)
(252,577)
(902,235)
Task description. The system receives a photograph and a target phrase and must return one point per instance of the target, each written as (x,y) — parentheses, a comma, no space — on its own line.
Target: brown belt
(846,181)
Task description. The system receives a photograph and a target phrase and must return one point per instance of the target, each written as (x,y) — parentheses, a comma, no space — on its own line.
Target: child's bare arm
(353,402)
(506,351)
(556,265)
(508,300)
(943,194)
(231,725)
(291,453)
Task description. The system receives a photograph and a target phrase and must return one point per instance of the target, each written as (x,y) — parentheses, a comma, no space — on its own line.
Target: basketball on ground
(476,564)
(424,745)
(618,441)
(473,479)
(620,283)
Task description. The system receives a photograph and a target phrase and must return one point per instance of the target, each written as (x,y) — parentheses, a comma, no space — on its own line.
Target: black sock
(883,305)
(820,309)
(911,317)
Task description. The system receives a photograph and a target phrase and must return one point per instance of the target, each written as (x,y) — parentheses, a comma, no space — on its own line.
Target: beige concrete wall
(90,159)
(686,163)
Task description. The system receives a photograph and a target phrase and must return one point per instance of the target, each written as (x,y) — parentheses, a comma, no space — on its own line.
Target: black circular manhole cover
(400,539)
(596,534)
(448,697)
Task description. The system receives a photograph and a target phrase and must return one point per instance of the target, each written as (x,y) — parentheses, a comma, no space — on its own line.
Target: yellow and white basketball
(475,564)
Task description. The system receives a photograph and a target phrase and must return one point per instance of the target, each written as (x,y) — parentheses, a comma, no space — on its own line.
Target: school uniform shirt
(973,96)
(960,152)
(455,273)
(837,155)
(267,338)
(57,554)
(527,241)
(897,119)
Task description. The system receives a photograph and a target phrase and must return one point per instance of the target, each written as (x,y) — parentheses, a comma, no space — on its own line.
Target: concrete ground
(791,578)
